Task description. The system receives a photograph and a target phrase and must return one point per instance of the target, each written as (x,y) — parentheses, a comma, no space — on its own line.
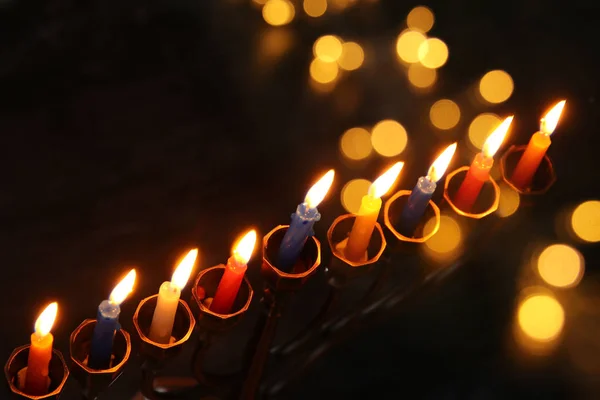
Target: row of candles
(300,229)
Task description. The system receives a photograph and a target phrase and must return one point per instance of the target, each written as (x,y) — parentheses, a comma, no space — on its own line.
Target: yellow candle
(537,147)
(168,299)
(40,352)
(361,232)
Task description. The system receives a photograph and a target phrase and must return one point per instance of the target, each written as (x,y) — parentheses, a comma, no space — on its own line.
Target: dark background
(132,131)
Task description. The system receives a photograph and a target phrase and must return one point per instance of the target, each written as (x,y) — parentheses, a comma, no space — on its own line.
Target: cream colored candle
(40,352)
(168,299)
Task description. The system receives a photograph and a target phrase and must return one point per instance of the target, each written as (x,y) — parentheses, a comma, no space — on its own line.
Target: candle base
(542,181)
(487,202)
(391,215)
(95,381)
(16,367)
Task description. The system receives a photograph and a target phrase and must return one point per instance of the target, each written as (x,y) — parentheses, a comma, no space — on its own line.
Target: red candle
(234,274)
(40,352)
(479,171)
(537,147)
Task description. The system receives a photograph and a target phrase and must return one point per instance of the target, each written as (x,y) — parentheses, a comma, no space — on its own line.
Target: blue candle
(303,220)
(107,323)
(421,194)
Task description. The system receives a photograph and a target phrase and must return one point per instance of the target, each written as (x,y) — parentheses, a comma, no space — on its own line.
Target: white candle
(168,299)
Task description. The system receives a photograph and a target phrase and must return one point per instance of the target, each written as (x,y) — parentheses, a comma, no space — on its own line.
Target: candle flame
(439,166)
(317,193)
(184,269)
(550,120)
(382,184)
(245,246)
(494,141)
(43,325)
(123,288)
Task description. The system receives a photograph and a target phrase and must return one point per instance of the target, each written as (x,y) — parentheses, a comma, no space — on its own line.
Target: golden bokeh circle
(420,76)
(315,8)
(328,48)
(496,86)
(389,138)
(278,12)
(420,18)
(352,194)
(433,53)
(448,237)
(355,144)
(509,201)
(444,114)
(408,44)
(560,265)
(481,127)
(541,317)
(585,221)
(352,56)
(323,72)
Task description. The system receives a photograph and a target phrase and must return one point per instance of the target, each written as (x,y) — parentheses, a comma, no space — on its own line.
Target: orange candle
(537,147)
(479,171)
(40,353)
(364,224)
(234,274)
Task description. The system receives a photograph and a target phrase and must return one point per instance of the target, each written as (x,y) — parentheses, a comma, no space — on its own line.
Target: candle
(301,225)
(107,323)
(234,274)
(421,194)
(168,300)
(479,171)
(360,235)
(537,147)
(40,352)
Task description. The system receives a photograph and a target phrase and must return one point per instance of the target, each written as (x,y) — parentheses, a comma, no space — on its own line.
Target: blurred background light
(323,72)
(446,242)
(509,201)
(420,18)
(352,194)
(433,53)
(585,221)
(339,5)
(541,317)
(315,8)
(259,2)
(278,12)
(420,76)
(496,86)
(408,44)
(328,48)
(560,265)
(352,56)
(481,127)
(444,114)
(355,144)
(389,138)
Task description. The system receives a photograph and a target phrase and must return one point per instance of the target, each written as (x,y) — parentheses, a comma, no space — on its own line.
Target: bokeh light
(541,317)
(339,5)
(481,127)
(446,242)
(561,265)
(315,8)
(389,138)
(328,48)
(420,76)
(585,221)
(355,144)
(433,53)
(496,86)
(278,12)
(352,56)
(323,72)
(509,201)
(444,114)
(352,194)
(420,18)
(408,44)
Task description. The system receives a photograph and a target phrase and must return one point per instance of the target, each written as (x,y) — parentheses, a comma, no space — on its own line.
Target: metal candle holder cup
(95,381)
(543,179)
(392,211)
(16,368)
(487,201)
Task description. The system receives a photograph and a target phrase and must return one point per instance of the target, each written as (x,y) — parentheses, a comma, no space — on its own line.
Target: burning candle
(107,323)
(479,171)
(40,352)
(537,147)
(360,235)
(421,194)
(301,225)
(168,300)
(234,274)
